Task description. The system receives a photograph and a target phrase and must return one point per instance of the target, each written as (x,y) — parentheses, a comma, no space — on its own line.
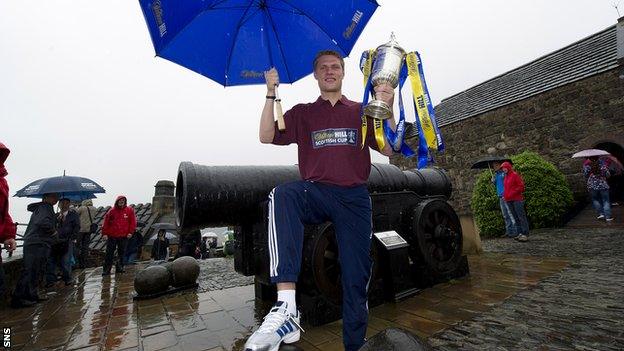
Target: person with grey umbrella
(160,246)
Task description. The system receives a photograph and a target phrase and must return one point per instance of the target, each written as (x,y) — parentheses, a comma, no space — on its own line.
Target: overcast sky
(81,90)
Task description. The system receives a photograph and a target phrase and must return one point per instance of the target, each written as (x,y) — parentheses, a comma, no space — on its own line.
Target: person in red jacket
(513,196)
(119,224)
(7,227)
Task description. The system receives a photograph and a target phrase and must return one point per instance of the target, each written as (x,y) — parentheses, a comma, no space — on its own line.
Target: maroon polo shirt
(329,139)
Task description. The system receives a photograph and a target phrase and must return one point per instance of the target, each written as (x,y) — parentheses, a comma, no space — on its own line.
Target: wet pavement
(518,296)
(579,308)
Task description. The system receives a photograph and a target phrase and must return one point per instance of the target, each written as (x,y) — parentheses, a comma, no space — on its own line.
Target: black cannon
(418,237)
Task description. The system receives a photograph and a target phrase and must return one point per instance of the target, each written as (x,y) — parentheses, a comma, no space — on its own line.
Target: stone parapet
(163,202)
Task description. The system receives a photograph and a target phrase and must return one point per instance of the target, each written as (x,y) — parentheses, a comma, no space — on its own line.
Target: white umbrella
(590,153)
(209,235)
(168,235)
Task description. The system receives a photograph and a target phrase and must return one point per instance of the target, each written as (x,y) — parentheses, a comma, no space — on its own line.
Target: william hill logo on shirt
(334,137)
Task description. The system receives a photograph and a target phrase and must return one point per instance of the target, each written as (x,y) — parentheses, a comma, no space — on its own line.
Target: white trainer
(278,326)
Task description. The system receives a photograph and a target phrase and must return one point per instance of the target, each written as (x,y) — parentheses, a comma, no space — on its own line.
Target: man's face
(64,205)
(329,73)
(121,202)
(52,199)
(496,165)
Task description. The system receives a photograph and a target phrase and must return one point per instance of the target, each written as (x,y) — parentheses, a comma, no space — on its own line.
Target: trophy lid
(392,44)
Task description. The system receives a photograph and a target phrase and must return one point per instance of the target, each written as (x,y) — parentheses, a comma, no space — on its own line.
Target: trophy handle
(281,125)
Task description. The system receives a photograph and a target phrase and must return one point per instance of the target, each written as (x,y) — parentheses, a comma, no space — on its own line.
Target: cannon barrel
(229,195)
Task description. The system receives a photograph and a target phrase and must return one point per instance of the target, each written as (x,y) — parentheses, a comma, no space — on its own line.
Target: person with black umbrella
(38,238)
(493,163)
(499,182)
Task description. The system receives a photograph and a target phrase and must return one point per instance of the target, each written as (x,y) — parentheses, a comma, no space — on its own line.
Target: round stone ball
(185,271)
(151,280)
(169,265)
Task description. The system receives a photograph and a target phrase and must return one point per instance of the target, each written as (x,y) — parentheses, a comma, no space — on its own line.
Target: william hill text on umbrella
(354,21)
(334,137)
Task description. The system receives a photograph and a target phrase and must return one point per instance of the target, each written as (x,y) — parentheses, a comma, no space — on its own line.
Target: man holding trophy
(334,162)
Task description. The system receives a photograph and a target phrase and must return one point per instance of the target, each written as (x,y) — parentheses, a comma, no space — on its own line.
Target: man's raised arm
(267,122)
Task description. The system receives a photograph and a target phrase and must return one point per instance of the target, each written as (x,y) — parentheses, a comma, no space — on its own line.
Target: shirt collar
(343,100)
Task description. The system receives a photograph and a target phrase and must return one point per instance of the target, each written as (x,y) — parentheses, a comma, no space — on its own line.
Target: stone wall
(554,124)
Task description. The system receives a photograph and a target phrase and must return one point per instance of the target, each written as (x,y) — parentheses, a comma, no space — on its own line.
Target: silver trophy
(387,63)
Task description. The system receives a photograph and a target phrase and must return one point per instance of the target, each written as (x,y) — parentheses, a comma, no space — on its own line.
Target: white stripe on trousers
(272,237)
(509,213)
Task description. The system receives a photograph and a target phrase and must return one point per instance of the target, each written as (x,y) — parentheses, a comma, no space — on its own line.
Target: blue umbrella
(74,188)
(234,41)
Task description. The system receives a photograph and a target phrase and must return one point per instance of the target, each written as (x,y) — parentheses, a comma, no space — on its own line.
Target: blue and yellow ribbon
(422,103)
(429,134)
(366,64)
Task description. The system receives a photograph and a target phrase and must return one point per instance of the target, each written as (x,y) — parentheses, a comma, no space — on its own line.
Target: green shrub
(547,195)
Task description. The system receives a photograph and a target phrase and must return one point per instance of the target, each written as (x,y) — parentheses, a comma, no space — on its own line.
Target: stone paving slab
(559,291)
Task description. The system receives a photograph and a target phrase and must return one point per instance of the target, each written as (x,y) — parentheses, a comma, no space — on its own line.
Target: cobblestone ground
(579,308)
(562,290)
(219,274)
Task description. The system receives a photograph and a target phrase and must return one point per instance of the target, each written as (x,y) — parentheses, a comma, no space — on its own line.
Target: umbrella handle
(281,125)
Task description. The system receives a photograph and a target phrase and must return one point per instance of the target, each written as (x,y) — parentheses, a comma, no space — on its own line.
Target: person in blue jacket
(498,179)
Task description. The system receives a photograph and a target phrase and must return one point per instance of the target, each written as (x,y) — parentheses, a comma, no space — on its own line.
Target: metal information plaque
(391,239)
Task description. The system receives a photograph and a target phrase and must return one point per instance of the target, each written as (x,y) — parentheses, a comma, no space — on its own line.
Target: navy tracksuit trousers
(294,204)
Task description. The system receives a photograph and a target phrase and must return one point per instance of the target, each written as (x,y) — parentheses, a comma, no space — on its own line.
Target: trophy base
(378,109)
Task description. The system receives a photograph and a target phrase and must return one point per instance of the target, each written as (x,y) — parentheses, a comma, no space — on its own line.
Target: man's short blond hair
(327,52)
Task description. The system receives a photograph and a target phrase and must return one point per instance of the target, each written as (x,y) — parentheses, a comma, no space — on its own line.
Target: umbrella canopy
(234,41)
(590,153)
(486,161)
(72,187)
(162,225)
(78,197)
(210,235)
(173,239)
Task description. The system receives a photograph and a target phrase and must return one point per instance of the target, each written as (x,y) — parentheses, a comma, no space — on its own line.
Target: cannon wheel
(438,238)
(320,262)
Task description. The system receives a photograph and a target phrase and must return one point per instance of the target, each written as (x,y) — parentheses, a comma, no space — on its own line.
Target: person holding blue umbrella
(335,168)
(233,43)
(38,239)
